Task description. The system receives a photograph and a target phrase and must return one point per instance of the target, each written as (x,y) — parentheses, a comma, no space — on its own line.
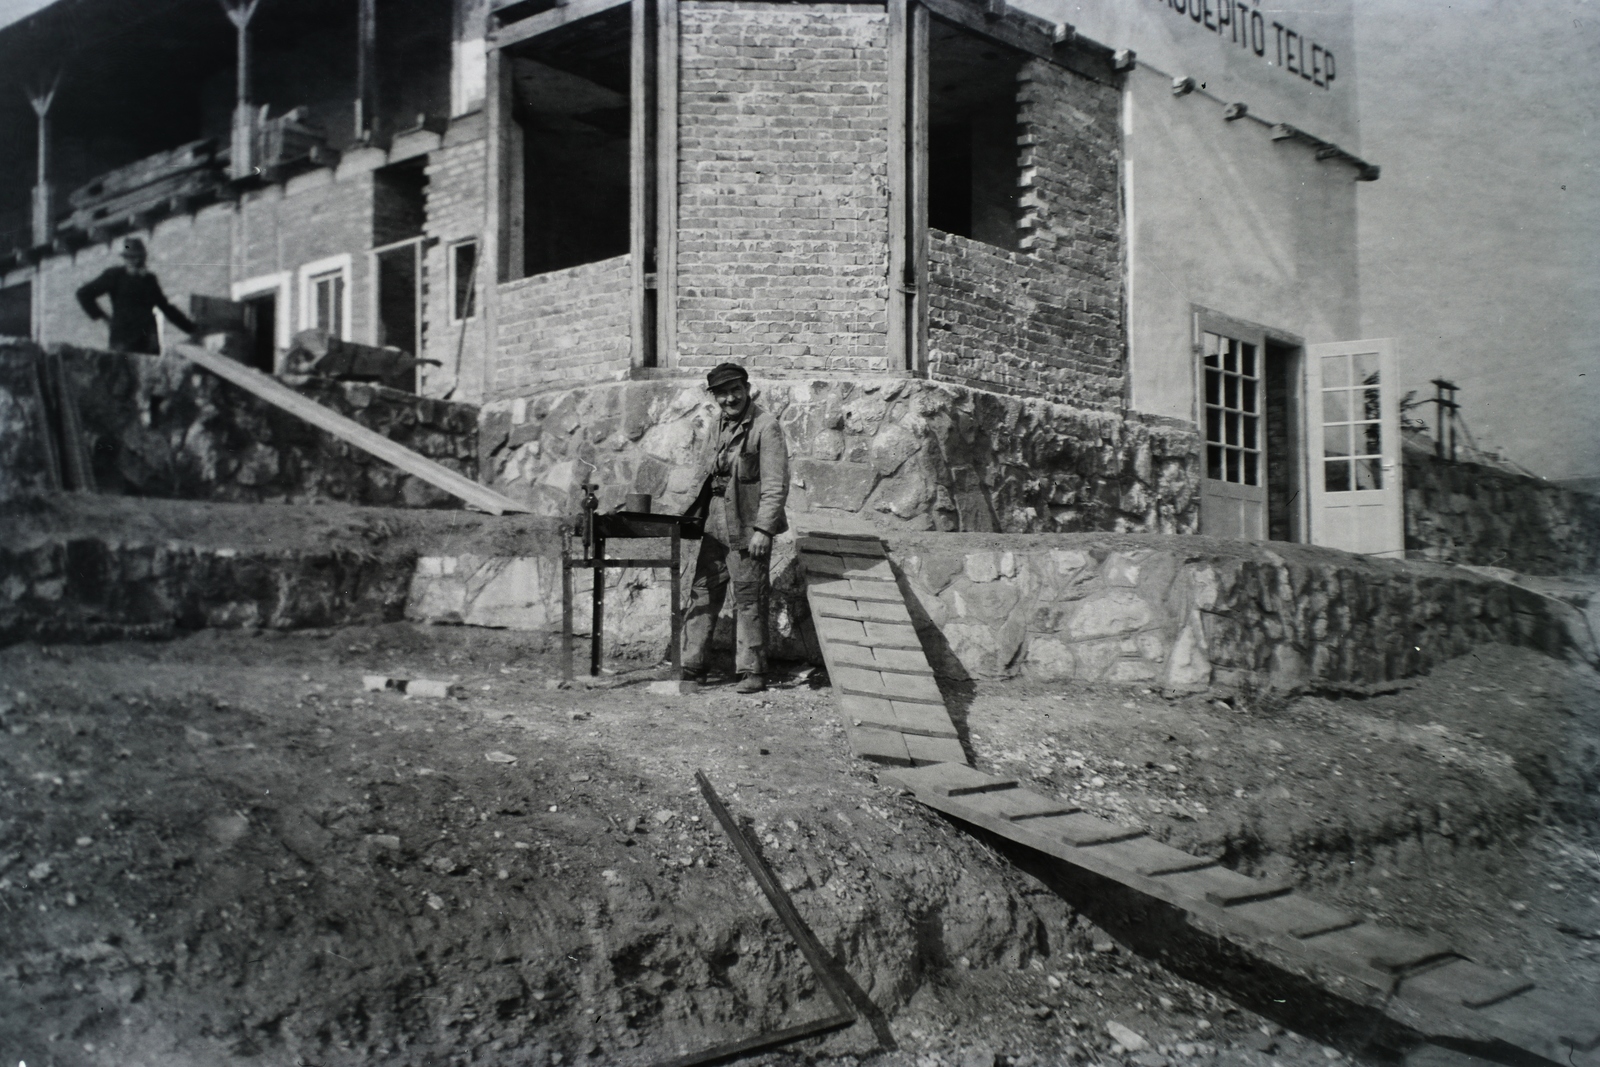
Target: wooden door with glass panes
(1233,494)
(1353,448)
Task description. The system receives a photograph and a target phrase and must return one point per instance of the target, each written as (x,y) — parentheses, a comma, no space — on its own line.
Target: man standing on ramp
(745,487)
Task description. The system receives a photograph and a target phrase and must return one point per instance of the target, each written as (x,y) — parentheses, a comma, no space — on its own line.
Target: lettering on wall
(1239,23)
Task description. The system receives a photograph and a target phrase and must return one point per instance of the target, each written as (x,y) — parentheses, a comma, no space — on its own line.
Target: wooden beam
(899,215)
(666,186)
(502,248)
(917,226)
(281,396)
(366,69)
(641,180)
(545,21)
(1027,34)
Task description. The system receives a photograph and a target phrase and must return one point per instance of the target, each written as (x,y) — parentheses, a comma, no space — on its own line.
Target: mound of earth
(222,849)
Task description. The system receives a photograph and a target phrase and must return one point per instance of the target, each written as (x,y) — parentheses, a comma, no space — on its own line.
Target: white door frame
(1357,499)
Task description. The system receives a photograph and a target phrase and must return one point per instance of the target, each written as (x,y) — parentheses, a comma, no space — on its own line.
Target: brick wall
(1046,320)
(190,254)
(783,140)
(566,326)
(278,228)
(455,199)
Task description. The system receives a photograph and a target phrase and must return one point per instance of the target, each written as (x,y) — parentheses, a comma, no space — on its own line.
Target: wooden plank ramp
(1420,982)
(275,392)
(894,715)
(893,710)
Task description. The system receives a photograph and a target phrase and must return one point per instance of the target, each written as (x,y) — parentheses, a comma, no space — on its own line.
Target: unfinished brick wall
(783,218)
(1047,320)
(568,326)
(190,254)
(311,217)
(455,202)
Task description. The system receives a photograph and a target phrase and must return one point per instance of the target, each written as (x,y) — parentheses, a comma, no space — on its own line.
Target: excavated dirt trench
(220,849)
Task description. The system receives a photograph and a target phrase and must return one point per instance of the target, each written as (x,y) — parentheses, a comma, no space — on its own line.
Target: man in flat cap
(135,294)
(746,484)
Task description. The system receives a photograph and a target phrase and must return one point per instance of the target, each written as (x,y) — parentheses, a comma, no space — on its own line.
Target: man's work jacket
(134,300)
(749,462)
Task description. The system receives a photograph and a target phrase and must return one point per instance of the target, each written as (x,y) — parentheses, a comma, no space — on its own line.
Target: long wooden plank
(279,395)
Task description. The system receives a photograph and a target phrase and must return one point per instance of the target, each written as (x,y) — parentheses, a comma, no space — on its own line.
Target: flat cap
(724,374)
(132,246)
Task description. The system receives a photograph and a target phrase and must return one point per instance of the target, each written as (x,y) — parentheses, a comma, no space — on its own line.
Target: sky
(1480,244)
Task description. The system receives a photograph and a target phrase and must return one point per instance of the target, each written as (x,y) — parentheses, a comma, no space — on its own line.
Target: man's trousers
(719,565)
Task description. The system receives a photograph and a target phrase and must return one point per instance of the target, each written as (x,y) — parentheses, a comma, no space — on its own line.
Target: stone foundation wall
(1187,613)
(1469,513)
(162,427)
(1172,613)
(898,453)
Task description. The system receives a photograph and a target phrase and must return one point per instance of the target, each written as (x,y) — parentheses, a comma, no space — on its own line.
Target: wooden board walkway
(894,715)
(275,392)
(1420,982)
(894,712)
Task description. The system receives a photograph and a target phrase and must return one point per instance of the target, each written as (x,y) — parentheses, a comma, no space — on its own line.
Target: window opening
(399,202)
(571,99)
(463,281)
(1352,426)
(327,302)
(1232,410)
(972,136)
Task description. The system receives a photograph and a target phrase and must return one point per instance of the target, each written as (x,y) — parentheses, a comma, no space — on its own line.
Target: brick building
(993,270)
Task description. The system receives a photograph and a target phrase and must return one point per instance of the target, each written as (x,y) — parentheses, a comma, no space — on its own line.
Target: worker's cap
(724,375)
(132,246)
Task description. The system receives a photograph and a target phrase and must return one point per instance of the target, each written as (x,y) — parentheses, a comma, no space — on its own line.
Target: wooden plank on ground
(938,750)
(1466,983)
(1143,855)
(279,395)
(882,746)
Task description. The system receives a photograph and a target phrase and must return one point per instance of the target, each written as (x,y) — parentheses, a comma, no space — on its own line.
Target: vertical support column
(43,193)
(917,227)
(899,201)
(242,157)
(366,71)
(497,256)
(666,184)
(642,233)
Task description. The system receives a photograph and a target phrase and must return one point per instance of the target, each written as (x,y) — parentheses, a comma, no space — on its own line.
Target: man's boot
(751,683)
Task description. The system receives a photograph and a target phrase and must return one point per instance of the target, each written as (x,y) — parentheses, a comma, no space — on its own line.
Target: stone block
(982,566)
(835,485)
(1110,613)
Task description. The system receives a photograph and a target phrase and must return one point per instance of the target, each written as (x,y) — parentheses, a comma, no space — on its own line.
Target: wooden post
(43,194)
(366,70)
(917,227)
(243,150)
(501,254)
(899,214)
(641,181)
(666,184)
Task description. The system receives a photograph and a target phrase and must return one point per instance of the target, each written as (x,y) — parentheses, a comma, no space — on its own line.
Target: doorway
(1250,419)
(261,331)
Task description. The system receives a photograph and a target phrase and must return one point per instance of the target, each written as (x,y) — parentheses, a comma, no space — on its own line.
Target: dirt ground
(221,849)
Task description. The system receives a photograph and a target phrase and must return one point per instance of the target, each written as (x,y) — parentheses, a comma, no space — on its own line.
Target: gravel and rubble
(223,848)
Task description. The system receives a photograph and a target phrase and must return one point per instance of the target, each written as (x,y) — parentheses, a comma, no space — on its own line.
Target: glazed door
(1233,495)
(1353,448)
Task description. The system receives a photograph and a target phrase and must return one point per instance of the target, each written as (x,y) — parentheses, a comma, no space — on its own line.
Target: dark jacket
(134,298)
(757,481)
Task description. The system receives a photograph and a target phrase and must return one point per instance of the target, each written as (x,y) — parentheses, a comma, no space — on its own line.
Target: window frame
(452,278)
(279,284)
(315,271)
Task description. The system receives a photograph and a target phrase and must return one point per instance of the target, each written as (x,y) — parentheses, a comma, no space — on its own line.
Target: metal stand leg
(597,615)
(677,607)
(566,617)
